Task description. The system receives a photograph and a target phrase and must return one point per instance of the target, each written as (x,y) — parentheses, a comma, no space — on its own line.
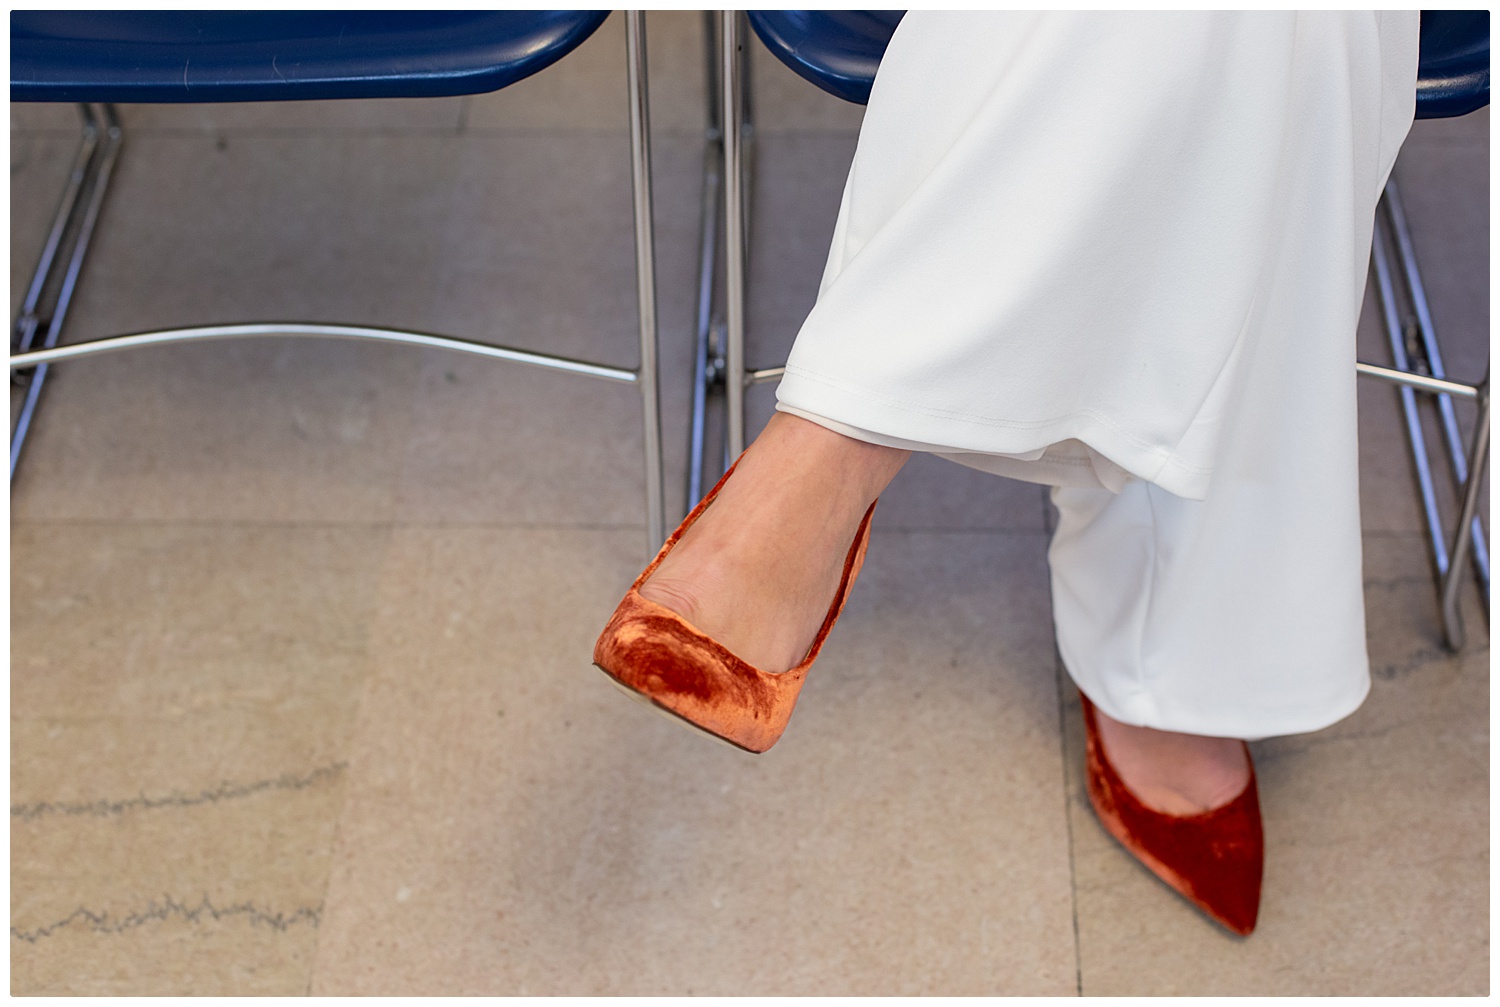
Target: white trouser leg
(1169,617)
(1240,615)
(1126,252)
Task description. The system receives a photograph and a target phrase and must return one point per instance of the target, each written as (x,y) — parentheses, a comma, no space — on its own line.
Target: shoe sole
(671,715)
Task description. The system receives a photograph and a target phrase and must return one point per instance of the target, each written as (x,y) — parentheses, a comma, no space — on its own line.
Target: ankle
(861,470)
(1175,773)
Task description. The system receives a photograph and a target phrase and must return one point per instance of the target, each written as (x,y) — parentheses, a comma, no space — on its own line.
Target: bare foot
(1176,774)
(758,570)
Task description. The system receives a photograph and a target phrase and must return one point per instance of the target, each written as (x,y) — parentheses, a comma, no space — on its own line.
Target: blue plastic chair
(840,51)
(96,58)
(203,56)
(1453,78)
(1453,69)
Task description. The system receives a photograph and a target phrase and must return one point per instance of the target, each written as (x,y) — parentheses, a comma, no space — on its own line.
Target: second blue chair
(95,58)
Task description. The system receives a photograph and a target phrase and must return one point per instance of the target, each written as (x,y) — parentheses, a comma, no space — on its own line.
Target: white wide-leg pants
(1124,254)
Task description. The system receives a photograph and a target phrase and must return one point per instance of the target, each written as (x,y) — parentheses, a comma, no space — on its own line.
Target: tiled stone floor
(300,690)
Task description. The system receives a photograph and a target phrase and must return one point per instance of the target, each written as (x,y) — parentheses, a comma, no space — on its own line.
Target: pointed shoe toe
(1214,859)
(659,657)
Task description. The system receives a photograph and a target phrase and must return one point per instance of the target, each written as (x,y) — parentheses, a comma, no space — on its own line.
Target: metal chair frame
(1419,367)
(51,290)
(1417,359)
(719,363)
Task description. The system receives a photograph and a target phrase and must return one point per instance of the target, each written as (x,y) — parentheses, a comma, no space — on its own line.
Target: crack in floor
(226,791)
(106,923)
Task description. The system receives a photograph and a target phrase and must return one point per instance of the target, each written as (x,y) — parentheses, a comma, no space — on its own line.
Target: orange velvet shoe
(659,657)
(1213,859)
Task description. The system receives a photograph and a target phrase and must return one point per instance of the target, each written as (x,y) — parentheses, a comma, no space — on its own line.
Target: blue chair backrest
(840,51)
(286,55)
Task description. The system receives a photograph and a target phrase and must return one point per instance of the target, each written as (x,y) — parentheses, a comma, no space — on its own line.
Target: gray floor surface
(300,690)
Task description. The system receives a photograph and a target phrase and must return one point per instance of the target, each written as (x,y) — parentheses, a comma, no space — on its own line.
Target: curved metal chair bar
(101,57)
(315,330)
(840,53)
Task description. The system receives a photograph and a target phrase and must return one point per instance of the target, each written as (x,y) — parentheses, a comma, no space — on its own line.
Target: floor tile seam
(333,842)
(1060,676)
(455,132)
(674,133)
(956,530)
(468,129)
(658,130)
(1395,533)
(400,525)
(374,132)
(367,682)
(217,132)
(1481,143)
(1391,534)
(1423,724)
(364,525)
(850,132)
(47,131)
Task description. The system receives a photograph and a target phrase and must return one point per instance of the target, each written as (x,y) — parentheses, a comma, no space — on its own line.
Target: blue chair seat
(209,56)
(1453,71)
(840,51)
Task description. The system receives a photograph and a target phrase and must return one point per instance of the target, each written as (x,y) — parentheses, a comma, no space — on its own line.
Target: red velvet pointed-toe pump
(659,657)
(1213,859)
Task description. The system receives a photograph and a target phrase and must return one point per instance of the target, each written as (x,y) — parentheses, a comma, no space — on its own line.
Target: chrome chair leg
(720,345)
(1433,364)
(80,177)
(706,359)
(645,271)
(1453,629)
(1419,367)
(746,176)
(734,236)
(1416,440)
(69,239)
